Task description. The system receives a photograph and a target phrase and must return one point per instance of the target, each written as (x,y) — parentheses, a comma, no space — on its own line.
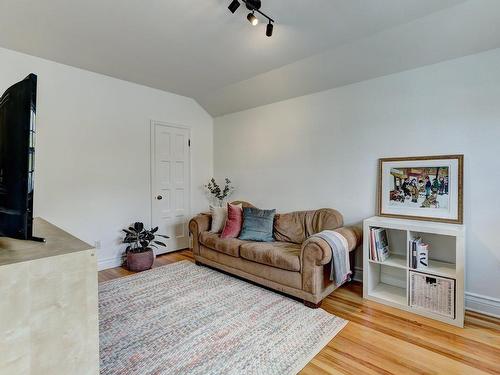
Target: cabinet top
(416,225)
(58,242)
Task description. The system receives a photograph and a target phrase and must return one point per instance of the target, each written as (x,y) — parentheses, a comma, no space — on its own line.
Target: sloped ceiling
(199,49)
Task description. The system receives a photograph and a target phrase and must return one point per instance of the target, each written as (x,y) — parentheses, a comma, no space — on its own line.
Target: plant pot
(138,262)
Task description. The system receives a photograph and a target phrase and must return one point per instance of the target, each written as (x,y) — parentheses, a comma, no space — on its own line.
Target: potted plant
(218,193)
(139,255)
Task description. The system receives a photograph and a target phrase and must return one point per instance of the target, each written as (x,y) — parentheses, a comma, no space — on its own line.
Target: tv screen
(17,151)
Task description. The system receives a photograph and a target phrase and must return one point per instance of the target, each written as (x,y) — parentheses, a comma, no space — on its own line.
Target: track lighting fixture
(253,6)
(235,4)
(252,19)
(269,29)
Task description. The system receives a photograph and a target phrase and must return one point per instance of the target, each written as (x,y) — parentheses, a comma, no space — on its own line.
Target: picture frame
(426,188)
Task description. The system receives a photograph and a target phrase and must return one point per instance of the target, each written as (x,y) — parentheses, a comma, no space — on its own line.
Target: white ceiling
(199,49)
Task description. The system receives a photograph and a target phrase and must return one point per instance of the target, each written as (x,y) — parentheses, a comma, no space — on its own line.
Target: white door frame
(152,170)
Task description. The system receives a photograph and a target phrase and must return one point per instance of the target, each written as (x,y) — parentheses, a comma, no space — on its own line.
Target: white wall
(321,150)
(93,148)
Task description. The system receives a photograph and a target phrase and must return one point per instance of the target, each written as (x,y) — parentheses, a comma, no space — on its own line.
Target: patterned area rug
(186,319)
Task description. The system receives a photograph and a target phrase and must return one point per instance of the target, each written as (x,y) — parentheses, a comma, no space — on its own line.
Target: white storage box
(432,293)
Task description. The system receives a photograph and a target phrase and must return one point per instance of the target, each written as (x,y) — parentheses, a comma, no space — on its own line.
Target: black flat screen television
(17,152)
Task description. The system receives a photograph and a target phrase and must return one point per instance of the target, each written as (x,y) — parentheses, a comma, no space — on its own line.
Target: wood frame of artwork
(455,162)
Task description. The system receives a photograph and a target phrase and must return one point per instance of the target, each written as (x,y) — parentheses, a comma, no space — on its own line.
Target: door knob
(159,197)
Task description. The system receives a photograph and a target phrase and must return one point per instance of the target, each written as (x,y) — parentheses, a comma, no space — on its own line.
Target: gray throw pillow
(257,225)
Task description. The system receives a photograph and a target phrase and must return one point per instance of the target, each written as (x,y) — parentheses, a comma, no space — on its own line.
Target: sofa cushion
(282,255)
(229,246)
(257,224)
(219,216)
(234,221)
(297,226)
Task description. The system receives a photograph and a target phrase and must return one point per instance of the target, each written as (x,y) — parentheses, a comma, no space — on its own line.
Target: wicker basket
(432,293)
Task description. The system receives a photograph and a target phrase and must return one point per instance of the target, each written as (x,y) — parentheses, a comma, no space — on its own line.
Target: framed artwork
(422,188)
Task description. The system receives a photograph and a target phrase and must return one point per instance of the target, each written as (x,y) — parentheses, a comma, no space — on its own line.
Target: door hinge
(189,143)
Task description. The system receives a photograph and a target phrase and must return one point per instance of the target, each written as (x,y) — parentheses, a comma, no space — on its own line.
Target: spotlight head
(269,29)
(235,4)
(253,4)
(252,19)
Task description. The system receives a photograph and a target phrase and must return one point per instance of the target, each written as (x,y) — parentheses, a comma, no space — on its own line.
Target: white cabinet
(48,305)
(388,282)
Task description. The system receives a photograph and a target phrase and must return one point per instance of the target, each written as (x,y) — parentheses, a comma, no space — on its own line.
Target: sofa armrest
(316,253)
(353,235)
(198,224)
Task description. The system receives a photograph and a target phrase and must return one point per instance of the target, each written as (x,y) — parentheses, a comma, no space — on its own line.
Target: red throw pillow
(234,221)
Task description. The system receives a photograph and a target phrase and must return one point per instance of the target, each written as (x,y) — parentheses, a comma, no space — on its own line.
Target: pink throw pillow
(234,221)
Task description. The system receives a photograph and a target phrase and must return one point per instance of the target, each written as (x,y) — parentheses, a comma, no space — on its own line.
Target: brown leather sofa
(294,263)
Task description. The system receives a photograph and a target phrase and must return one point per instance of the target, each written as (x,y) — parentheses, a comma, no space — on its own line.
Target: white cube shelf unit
(388,282)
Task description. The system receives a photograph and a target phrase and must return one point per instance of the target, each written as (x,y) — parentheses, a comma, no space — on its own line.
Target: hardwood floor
(384,340)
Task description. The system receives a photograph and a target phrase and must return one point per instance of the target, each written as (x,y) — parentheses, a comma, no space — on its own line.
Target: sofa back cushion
(234,221)
(297,226)
(219,216)
(243,204)
(257,225)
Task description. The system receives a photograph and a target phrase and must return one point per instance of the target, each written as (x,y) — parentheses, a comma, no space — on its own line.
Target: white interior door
(170,182)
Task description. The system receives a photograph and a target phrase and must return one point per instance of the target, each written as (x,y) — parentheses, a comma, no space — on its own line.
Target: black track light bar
(249,5)
(253,6)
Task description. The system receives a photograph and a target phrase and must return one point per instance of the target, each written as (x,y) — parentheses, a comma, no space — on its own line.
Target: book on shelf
(418,258)
(373,253)
(379,245)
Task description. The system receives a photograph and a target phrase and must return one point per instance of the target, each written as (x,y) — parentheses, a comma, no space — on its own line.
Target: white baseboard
(473,302)
(104,264)
(482,304)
